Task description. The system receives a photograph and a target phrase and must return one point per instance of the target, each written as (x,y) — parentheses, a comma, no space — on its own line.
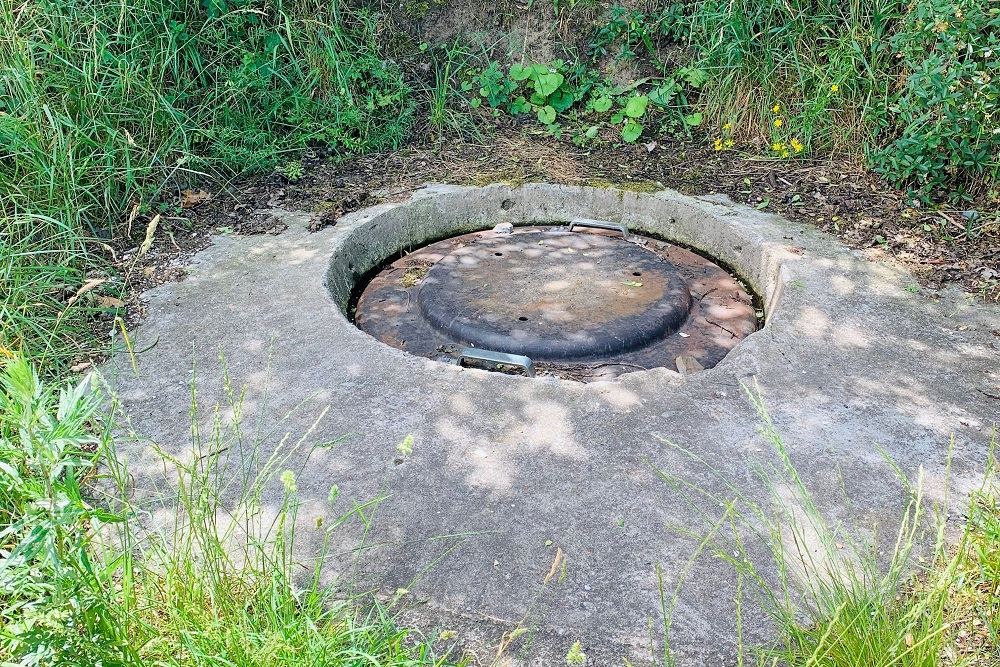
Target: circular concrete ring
(743,240)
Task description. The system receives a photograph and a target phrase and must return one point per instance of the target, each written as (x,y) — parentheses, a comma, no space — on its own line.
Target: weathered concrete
(505,469)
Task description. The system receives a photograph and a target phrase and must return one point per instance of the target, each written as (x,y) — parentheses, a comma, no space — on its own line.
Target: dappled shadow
(504,471)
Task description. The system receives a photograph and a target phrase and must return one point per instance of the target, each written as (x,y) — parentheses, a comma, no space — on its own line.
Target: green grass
(910,88)
(840,600)
(108,107)
(762,54)
(89,577)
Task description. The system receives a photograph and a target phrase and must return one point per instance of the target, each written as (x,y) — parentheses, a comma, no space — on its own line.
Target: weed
(104,103)
(835,600)
(559,93)
(945,120)
(443,119)
(88,577)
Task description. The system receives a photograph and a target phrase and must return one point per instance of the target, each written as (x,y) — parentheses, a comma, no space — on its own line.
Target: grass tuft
(836,599)
(89,577)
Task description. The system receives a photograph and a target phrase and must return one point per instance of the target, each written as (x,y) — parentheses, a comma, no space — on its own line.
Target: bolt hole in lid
(570,301)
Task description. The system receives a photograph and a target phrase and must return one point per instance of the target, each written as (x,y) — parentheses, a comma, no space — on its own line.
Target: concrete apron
(506,470)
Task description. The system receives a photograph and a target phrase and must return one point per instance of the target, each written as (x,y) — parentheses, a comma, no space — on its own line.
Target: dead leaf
(147,243)
(88,285)
(131,218)
(110,302)
(191,198)
(555,566)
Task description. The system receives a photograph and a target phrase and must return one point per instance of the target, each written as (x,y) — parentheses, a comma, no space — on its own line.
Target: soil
(940,246)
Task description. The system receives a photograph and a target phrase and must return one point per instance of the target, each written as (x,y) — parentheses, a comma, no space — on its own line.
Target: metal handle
(498,358)
(599,224)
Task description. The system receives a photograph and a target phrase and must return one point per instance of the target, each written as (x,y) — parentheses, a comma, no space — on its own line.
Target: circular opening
(559,300)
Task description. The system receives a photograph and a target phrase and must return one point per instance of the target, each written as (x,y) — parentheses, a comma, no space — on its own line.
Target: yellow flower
(727,127)
(777,147)
(797,145)
(728,143)
(778,122)
(834,88)
(717,144)
(776,108)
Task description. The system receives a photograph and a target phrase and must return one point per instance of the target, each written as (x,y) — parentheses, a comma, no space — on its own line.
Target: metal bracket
(599,224)
(498,358)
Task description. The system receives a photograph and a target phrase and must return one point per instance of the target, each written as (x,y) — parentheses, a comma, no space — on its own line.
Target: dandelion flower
(778,122)
(777,147)
(797,145)
(776,108)
(717,144)
(834,88)
(727,127)
(728,143)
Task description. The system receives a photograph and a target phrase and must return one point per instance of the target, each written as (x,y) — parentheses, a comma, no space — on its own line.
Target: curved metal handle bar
(599,224)
(498,358)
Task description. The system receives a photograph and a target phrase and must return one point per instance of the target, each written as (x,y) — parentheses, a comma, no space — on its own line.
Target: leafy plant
(89,578)
(626,33)
(104,103)
(558,94)
(944,123)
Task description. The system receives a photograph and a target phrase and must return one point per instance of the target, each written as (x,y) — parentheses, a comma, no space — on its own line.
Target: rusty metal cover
(582,305)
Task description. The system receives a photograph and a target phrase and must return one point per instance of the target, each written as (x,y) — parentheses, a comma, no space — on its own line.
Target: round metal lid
(554,295)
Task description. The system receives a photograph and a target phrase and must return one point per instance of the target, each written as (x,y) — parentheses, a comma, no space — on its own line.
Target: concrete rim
(758,253)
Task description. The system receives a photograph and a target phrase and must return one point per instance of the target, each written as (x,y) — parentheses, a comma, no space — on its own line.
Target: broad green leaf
(662,95)
(631,131)
(562,99)
(636,106)
(519,106)
(694,76)
(548,82)
(600,104)
(546,115)
(693,119)
(519,72)
(592,131)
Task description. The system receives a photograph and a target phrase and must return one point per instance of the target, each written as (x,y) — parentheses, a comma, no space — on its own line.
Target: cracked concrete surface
(505,470)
